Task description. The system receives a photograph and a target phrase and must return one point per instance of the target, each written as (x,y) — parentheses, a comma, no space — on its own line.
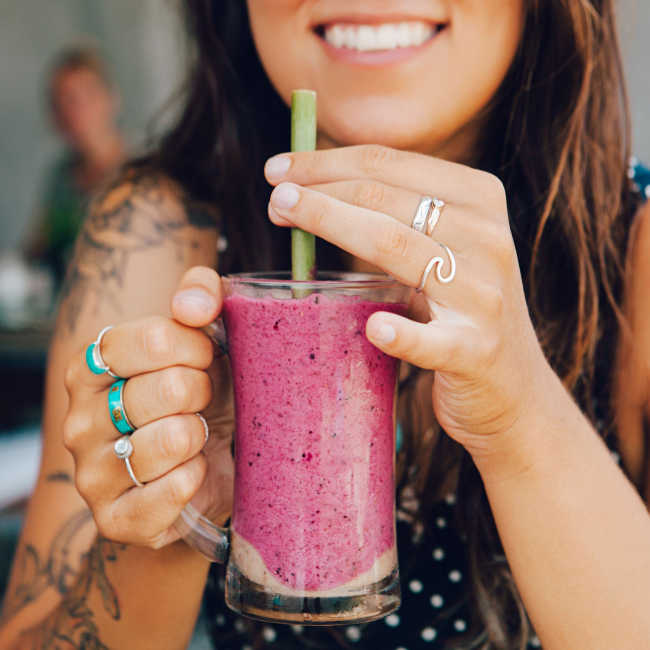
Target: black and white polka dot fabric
(434,608)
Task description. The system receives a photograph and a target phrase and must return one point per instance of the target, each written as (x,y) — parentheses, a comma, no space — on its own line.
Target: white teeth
(403,35)
(336,36)
(387,36)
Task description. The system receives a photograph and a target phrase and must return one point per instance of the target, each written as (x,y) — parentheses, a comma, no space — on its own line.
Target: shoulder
(143,210)
(638,259)
(141,233)
(147,196)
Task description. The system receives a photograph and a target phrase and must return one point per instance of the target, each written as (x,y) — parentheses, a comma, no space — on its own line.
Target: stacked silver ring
(425,220)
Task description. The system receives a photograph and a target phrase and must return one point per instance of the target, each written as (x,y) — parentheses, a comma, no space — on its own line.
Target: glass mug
(312,533)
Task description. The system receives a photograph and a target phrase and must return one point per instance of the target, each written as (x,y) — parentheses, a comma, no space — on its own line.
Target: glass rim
(326,280)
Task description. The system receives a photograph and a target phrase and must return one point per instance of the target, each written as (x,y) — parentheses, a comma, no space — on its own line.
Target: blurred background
(81,82)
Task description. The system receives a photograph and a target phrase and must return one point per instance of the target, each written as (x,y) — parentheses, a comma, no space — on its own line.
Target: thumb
(198,299)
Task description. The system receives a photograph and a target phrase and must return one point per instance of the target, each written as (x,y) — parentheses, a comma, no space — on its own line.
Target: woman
(473,89)
(84,106)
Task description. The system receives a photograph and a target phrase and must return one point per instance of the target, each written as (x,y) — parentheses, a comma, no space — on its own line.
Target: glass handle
(202,535)
(217,333)
(195,528)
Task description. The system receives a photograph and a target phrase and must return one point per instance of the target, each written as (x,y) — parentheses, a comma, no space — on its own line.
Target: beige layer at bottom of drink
(250,563)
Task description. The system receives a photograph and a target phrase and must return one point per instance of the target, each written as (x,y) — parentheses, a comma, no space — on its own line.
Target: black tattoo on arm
(59,477)
(36,574)
(73,624)
(132,216)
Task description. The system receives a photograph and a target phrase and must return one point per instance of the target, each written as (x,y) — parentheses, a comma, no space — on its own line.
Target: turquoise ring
(116,408)
(94,359)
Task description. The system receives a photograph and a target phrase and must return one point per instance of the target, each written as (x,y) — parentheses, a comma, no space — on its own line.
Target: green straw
(303,138)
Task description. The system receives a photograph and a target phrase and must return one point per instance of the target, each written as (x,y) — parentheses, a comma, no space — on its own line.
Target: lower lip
(379,57)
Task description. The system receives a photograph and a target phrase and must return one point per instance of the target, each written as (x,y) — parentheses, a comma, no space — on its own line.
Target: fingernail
(194,299)
(285,196)
(277,166)
(383,333)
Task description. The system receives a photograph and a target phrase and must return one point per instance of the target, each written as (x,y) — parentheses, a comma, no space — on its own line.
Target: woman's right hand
(171,376)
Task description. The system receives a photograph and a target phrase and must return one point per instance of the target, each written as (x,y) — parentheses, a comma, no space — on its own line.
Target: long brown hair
(557,137)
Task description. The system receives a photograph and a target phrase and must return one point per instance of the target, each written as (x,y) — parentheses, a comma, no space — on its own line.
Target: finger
(445,344)
(158,448)
(419,173)
(142,346)
(144,515)
(171,391)
(145,398)
(199,297)
(402,204)
(373,236)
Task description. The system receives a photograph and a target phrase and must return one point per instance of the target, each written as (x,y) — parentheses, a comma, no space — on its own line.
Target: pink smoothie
(315,436)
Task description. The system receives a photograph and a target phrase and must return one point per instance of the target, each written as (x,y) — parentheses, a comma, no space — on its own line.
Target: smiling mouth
(381,37)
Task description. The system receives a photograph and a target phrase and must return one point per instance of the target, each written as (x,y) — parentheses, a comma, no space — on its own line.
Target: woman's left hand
(492,377)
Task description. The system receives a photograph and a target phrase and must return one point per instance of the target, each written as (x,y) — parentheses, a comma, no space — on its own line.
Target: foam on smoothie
(315,441)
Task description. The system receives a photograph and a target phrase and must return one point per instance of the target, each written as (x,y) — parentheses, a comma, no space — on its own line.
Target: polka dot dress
(434,608)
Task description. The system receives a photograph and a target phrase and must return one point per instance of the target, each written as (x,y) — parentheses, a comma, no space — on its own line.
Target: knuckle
(72,374)
(204,351)
(184,484)
(75,427)
(375,157)
(105,522)
(157,338)
(174,439)
(392,241)
(492,189)
(86,482)
(203,390)
(174,389)
(370,195)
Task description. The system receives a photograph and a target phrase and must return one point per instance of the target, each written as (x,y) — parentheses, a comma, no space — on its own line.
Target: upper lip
(371,19)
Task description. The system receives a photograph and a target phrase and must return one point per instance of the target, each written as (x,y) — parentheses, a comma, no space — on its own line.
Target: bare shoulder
(640,233)
(141,233)
(637,276)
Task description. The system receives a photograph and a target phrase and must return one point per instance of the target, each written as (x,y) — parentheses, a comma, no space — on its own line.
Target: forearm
(577,537)
(127,597)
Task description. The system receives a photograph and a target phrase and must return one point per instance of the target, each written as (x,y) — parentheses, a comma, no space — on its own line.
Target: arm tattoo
(73,625)
(37,574)
(134,215)
(59,477)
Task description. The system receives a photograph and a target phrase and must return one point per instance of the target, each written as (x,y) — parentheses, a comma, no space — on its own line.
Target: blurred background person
(84,106)
(63,128)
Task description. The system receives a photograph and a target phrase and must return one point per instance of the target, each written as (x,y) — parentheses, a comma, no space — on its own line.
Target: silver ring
(434,217)
(420,219)
(123,449)
(438,263)
(206,429)
(97,353)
